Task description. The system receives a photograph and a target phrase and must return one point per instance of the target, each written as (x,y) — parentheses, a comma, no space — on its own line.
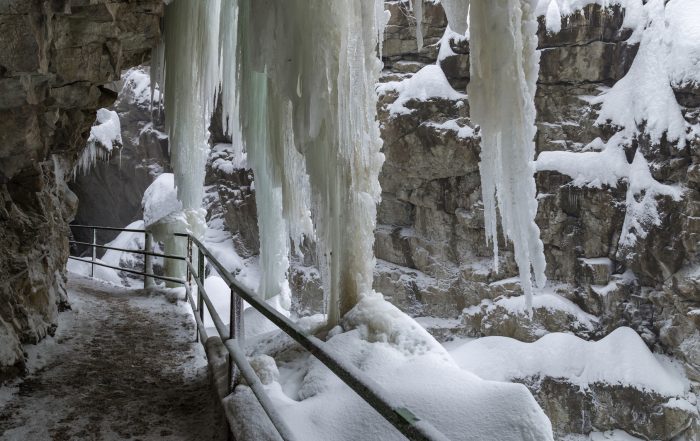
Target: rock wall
(55,59)
(110,192)
(430,239)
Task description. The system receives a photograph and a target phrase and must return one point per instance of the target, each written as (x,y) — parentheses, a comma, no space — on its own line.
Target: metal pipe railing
(94,227)
(126,250)
(370,391)
(127,270)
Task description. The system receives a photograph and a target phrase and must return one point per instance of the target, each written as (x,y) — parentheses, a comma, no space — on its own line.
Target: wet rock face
(55,59)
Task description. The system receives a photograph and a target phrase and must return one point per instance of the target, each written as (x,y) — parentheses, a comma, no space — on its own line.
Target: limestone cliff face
(55,58)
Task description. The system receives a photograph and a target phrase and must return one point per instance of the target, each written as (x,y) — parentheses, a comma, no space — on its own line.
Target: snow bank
(160,200)
(392,349)
(101,272)
(428,83)
(621,358)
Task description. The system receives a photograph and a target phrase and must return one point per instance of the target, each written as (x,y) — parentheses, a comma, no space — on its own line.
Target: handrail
(127,270)
(126,250)
(370,391)
(128,230)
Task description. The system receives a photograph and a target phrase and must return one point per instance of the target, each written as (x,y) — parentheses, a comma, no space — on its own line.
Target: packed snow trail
(122,365)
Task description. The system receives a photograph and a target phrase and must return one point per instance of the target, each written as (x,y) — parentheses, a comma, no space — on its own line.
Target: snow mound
(137,84)
(611,435)
(621,358)
(548,301)
(103,273)
(105,135)
(126,240)
(108,130)
(160,200)
(428,83)
(418,374)
(555,10)
(463,132)
(228,158)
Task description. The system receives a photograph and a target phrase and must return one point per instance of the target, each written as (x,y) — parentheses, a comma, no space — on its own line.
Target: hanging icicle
(504,70)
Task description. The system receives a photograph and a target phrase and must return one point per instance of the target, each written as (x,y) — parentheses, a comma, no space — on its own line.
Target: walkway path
(122,365)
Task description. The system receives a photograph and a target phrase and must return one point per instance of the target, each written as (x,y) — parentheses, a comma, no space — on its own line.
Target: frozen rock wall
(55,59)
(433,261)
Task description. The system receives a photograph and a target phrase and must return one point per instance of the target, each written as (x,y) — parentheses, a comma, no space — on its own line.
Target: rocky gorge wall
(56,58)
(434,263)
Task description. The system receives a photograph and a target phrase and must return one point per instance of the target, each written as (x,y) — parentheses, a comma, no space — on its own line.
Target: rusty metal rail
(405,421)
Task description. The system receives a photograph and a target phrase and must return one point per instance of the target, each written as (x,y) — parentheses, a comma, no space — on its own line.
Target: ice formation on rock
(105,135)
(187,70)
(308,124)
(641,104)
(504,70)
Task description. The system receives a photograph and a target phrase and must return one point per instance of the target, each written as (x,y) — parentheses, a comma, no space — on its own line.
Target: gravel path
(122,365)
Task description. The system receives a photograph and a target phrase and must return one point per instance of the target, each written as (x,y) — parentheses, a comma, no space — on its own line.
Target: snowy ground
(123,364)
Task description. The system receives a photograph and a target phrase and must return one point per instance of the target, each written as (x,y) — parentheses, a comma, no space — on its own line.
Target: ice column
(312,66)
(187,69)
(504,70)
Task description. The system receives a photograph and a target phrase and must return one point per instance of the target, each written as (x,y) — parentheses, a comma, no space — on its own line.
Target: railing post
(189,258)
(236,331)
(148,281)
(201,276)
(94,252)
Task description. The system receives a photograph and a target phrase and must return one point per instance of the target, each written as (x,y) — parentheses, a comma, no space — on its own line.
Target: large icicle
(319,132)
(187,69)
(504,69)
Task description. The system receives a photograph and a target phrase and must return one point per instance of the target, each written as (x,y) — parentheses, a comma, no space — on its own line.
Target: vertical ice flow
(504,69)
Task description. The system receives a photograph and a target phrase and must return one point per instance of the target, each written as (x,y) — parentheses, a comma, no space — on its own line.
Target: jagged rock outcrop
(55,59)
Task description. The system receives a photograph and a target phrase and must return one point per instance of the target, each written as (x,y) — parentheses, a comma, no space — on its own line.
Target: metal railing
(371,392)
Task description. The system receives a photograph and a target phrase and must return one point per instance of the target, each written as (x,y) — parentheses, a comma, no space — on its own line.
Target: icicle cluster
(307,118)
(186,68)
(105,135)
(297,84)
(504,69)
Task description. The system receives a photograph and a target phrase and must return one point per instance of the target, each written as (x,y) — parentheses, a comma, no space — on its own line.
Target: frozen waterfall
(504,70)
(298,92)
